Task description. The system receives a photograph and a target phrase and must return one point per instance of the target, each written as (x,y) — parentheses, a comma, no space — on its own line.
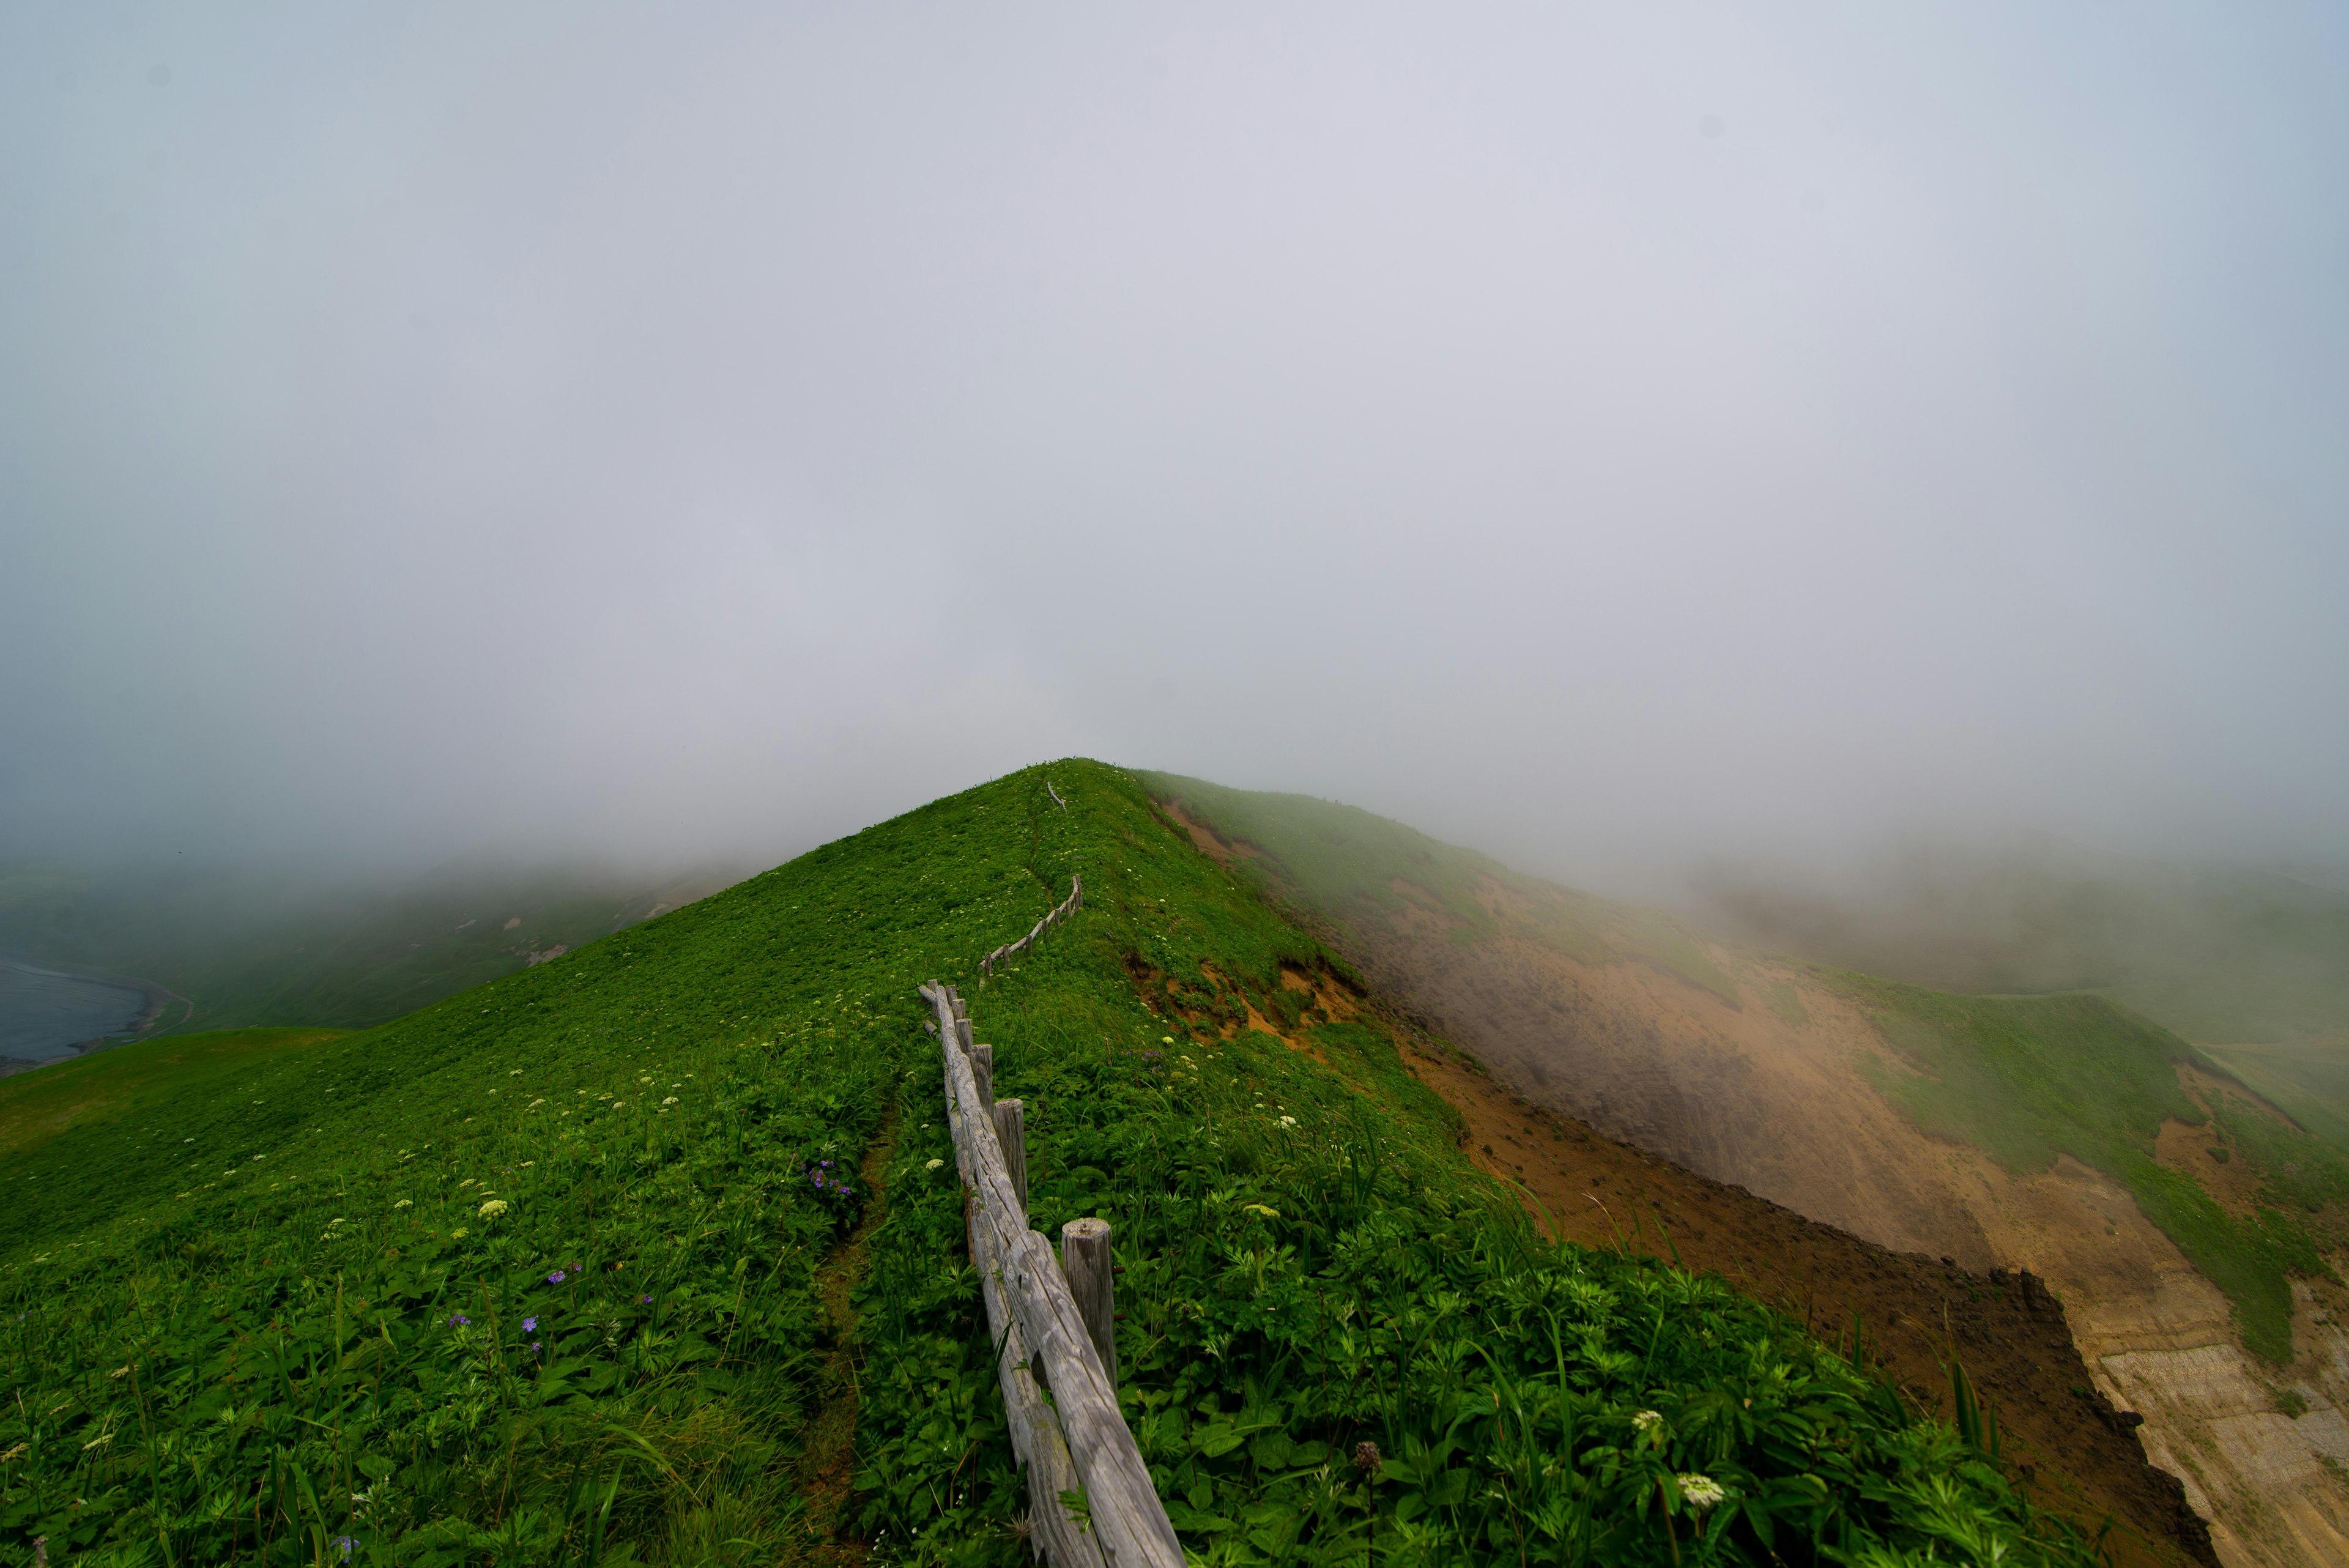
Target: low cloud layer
(1612,439)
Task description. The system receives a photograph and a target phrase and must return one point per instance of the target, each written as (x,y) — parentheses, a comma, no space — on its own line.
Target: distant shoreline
(46,1006)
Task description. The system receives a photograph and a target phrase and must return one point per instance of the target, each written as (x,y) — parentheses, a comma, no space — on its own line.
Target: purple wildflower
(644,1301)
(346,1542)
(533,1345)
(529,1325)
(459,1321)
(555,1278)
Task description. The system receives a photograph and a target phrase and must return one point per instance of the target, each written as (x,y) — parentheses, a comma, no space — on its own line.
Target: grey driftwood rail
(1053,1320)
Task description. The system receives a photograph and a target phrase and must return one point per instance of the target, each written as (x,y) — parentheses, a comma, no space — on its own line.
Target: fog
(1615,438)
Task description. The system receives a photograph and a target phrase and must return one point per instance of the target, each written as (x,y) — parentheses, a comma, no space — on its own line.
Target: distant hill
(2220,954)
(2252,964)
(279,946)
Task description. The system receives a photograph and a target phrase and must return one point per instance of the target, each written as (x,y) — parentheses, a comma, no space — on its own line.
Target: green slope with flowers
(653,1254)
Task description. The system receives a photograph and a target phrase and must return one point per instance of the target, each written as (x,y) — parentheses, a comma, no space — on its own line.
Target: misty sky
(1607,436)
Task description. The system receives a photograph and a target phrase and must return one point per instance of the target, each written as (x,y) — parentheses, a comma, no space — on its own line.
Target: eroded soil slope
(1754,1074)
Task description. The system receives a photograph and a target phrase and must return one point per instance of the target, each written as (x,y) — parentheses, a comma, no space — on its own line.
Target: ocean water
(46,1012)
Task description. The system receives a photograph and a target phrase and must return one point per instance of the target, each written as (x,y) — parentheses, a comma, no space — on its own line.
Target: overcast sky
(1609,436)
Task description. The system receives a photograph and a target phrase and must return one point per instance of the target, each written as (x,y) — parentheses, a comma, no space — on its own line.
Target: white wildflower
(934,1165)
(404,1203)
(1700,1492)
(493,1209)
(670,1101)
(1647,1421)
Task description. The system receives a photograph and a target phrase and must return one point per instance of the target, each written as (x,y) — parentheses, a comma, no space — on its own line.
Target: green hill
(653,1253)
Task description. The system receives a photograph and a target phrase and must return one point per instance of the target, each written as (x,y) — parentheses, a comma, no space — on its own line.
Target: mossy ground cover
(540,1273)
(2028,1078)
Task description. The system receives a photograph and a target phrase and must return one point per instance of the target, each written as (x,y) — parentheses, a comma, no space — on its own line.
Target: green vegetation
(2028,1078)
(551,1272)
(136,1082)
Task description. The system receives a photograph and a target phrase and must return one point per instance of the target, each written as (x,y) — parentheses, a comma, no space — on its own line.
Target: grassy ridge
(539,1273)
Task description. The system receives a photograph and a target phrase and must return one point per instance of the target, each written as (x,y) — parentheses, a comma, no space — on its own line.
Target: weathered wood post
(1012,1133)
(982,1067)
(1085,1260)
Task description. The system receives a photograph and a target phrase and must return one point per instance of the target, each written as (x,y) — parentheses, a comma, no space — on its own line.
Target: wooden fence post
(1054,1320)
(1085,1260)
(1011,1132)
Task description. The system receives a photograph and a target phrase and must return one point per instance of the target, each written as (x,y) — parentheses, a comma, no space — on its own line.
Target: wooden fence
(1043,928)
(1054,1320)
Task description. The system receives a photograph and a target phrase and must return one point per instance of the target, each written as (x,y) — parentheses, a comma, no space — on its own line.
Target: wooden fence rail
(1053,1320)
(1043,928)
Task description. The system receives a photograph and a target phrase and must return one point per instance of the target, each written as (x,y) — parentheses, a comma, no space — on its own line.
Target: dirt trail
(827,1463)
